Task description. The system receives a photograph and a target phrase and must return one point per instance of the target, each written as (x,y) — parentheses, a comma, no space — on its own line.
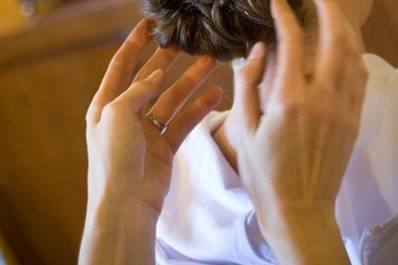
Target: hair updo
(224,29)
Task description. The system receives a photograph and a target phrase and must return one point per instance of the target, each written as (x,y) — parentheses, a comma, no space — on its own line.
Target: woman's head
(225,29)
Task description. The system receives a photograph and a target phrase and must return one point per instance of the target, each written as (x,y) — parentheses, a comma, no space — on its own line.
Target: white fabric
(208,217)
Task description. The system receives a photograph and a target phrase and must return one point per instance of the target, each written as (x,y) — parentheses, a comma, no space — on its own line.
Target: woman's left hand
(130,154)
(129,159)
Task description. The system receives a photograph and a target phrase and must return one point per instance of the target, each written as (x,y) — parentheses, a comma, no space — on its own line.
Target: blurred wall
(381,30)
(11,19)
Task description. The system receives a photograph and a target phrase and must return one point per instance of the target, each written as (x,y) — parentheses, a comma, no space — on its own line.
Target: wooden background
(11,19)
(381,30)
(48,74)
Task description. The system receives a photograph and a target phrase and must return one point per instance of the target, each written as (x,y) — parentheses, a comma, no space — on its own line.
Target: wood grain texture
(11,18)
(43,182)
(381,30)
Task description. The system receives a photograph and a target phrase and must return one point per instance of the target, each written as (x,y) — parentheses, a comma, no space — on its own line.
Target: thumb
(247,96)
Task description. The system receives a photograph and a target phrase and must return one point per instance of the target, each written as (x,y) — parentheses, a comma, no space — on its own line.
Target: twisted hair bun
(224,29)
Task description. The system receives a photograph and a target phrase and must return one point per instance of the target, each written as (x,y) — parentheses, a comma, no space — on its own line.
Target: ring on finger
(157,122)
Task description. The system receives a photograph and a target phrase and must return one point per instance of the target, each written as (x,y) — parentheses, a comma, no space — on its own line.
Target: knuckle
(292,109)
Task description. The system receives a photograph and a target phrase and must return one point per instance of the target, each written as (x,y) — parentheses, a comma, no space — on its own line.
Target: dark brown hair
(224,29)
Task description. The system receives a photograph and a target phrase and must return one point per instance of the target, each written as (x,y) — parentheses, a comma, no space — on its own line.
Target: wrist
(116,198)
(112,231)
(277,217)
(303,237)
(289,222)
(107,215)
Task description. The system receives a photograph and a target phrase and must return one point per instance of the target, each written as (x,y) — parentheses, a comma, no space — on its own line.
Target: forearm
(113,236)
(304,237)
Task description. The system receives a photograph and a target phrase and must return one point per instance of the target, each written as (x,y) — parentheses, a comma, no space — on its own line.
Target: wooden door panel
(43,156)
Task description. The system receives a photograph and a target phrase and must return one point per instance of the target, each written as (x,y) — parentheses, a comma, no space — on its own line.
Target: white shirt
(208,217)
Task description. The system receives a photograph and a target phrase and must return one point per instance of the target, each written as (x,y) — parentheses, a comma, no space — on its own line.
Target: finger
(141,92)
(162,59)
(247,91)
(185,121)
(290,46)
(333,41)
(171,101)
(118,74)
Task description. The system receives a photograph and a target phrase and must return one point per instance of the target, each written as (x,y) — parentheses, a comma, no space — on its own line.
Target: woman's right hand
(295,145)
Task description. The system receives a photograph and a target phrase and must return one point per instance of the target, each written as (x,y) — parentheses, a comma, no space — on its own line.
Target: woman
(290,135)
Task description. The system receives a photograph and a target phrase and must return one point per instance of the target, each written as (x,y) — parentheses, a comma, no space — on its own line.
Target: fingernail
(258,50)
(158,74)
